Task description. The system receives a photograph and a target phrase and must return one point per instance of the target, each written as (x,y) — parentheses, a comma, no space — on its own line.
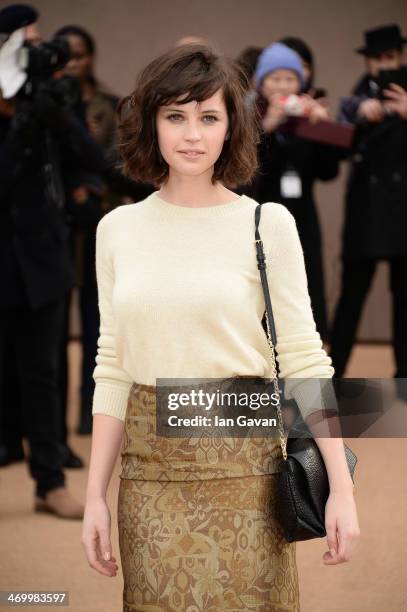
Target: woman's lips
(190,154)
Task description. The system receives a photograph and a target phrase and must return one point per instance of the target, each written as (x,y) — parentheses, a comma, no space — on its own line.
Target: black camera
(42,61)
(26,70)
(47,57)
(385,77)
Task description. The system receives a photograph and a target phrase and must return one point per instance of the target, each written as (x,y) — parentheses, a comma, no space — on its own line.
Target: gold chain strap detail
(283,441)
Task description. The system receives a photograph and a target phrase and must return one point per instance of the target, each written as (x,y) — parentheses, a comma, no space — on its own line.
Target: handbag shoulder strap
(261,264)
(271,329)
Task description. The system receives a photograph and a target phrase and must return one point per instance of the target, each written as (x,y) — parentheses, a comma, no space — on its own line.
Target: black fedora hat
(381,39)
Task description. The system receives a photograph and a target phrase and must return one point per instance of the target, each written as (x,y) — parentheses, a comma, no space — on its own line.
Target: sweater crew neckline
(155,202)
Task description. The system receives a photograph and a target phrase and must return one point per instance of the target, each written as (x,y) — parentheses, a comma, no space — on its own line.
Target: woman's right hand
(275,115)
(96,537)
(315,109)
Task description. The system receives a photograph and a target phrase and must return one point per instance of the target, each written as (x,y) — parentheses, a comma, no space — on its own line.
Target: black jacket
(34,238)
(279,152)
(376,196)
(113,184)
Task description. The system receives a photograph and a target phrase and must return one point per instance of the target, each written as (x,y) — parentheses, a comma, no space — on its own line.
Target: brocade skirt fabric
(197,521)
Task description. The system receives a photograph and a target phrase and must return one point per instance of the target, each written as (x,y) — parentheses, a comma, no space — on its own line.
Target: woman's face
(81,63)
(281,82)
(191,136)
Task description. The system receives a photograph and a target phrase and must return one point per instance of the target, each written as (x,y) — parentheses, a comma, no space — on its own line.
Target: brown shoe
(60,502)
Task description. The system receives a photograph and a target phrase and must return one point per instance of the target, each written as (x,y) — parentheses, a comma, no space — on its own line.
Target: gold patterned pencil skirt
(196,518)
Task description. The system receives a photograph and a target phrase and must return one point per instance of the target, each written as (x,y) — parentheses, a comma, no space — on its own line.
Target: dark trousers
(309,231)
(11,431)
(357,275)
(34,336)
(316,285)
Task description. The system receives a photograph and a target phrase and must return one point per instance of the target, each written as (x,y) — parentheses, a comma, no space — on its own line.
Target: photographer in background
(41,144)
(11,434)
(289,164)
(91,198)
(376,198)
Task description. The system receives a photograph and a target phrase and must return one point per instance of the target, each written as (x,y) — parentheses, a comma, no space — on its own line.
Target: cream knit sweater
(180,297)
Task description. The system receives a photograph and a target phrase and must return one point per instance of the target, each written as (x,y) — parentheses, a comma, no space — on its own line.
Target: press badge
(290,185)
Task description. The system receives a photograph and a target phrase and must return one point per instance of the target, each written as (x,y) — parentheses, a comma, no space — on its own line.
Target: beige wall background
(129,33)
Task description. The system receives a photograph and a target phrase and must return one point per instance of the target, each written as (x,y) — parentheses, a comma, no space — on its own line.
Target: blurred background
(333,30)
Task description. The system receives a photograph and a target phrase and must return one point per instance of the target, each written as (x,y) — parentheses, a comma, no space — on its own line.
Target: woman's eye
(175,116)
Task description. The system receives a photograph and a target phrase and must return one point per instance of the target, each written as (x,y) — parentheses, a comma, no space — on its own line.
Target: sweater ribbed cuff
(111,400)
(311,394)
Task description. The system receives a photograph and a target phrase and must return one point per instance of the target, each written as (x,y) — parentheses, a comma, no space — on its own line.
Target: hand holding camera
(396,100)
(372,110)
(390,98)
(303,105)
(275,115)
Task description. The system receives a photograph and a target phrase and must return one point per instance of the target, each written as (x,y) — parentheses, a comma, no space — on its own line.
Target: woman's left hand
(316,111)
(342,526)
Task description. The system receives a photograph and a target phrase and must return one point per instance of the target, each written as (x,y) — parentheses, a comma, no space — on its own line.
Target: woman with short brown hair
(199,74)
(180,298)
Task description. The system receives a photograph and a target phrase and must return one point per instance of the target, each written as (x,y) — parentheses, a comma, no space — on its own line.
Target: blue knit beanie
(278,57)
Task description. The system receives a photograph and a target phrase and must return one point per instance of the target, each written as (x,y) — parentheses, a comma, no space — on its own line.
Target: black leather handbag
(303,485)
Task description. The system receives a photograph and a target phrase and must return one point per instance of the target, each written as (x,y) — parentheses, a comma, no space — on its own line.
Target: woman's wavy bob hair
(196,72)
